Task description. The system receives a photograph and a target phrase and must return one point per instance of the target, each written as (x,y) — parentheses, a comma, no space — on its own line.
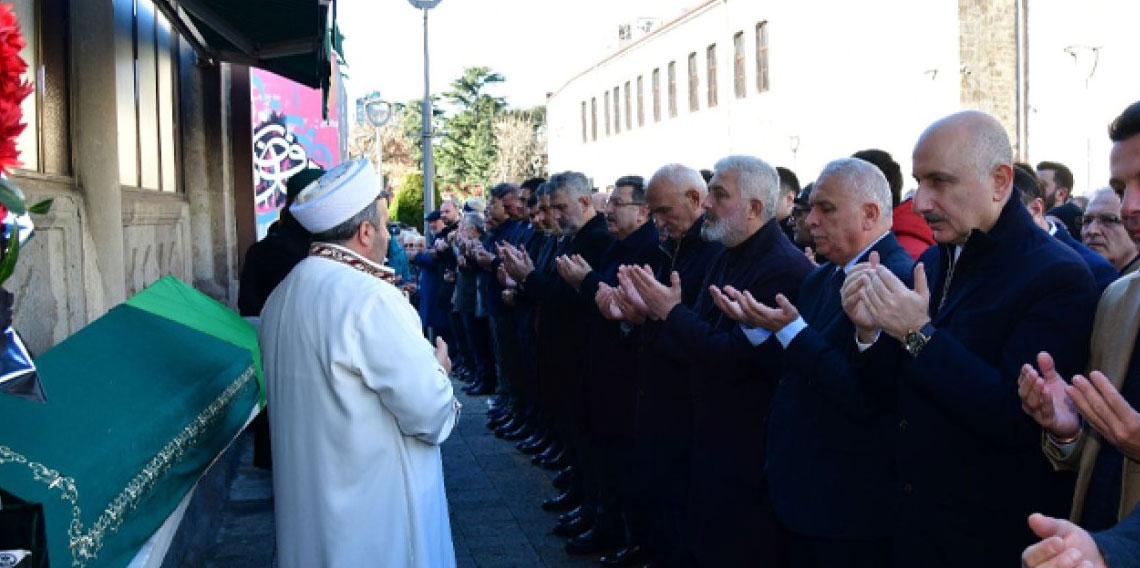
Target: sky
(537,45)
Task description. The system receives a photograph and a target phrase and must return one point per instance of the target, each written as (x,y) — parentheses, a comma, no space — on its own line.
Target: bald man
(991,294)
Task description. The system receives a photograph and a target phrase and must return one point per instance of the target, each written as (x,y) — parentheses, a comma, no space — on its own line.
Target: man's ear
(585,202)
(1003,182)
(757,207)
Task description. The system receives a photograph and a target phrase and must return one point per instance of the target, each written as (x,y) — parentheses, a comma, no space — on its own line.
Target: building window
(657,95)
(145,75)
(45,143)
(617,110)
(594,119)
(640,102)
(738,65)
(694,84)
(606,103)
(710,54)
(628,111)
(584,132)
(672,89)
(762,57)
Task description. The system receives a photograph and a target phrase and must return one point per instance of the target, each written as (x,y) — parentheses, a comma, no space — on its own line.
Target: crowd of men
(724,368)
(730,370)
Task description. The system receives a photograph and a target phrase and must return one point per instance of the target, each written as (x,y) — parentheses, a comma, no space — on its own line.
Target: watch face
(914,342)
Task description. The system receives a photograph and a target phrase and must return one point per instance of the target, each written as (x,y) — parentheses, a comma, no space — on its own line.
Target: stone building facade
(133,138)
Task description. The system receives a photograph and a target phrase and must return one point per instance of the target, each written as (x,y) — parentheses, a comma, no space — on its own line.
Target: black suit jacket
(733,383)
(969,460)
(830,460)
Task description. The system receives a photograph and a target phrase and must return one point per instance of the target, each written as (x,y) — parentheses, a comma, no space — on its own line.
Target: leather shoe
(628,556)
(521,433)
(557,462)
(496,422)
(592,542)
(535,444)
(573,528)
(547,454)
(572,514)
(479,389)
(564,478)
(564,501)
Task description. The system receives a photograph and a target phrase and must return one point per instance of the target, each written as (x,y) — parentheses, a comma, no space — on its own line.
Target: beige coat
(1113,338)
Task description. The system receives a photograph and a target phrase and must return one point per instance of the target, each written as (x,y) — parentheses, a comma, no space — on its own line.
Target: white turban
(336,196)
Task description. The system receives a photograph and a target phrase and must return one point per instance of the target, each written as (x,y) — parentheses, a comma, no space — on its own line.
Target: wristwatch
(914,341)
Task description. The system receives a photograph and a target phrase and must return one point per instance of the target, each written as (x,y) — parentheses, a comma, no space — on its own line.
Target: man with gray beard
(730,519)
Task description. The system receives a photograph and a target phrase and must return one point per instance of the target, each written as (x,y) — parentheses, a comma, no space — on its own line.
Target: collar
(646,234)
(1052,230)
(1009,230)
(351,258)
(763,239)
(859,257)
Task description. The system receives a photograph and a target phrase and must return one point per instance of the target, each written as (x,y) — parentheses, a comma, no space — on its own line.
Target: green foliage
(411,122)
(408,204)
(41,207)
(467,153)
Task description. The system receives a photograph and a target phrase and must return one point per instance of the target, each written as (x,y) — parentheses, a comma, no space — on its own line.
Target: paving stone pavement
(493,494)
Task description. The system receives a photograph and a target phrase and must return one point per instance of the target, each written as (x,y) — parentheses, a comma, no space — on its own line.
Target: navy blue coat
(611,372)
(1104,273)
(731,519)
(969,459)
(1120,545)
(433,312)
(830,457)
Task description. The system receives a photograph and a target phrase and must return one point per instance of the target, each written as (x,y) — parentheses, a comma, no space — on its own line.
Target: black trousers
(817,552)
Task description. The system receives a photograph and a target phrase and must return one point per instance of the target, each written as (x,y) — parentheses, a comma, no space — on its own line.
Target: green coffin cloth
(176,300)
(140,406)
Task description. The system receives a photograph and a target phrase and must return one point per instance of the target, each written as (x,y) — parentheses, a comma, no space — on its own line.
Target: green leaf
(41,207)
(8,263)
(11,197)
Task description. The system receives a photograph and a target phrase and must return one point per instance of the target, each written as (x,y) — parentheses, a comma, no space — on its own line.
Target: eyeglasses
(619,203)
(1105,218)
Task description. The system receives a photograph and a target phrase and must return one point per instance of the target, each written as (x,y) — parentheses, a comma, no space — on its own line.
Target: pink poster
(288,136)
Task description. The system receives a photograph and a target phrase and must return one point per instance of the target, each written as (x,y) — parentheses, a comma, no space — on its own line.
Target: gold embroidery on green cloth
(85,546)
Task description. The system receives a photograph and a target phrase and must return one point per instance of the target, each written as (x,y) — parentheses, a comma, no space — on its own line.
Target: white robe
(358,406)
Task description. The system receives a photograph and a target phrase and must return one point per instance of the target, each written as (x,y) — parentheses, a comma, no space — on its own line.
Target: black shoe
(564,478)
(480,388)
(572,514)
(558,462)
(535,444)
(511,425)
(628,556)
(524,431)
(573,528)
(548,454)
(496,422)
(593,542)
(563,502)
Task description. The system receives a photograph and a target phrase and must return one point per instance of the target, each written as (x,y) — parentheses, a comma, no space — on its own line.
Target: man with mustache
(730,517)
(994,292)
(563,316)
(1103,231)
(835,500)
(663,422)
(610,390)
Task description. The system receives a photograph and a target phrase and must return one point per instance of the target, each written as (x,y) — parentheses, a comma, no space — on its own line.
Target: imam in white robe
(358,406)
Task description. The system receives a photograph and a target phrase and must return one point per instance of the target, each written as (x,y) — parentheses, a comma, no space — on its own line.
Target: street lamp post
(425,110)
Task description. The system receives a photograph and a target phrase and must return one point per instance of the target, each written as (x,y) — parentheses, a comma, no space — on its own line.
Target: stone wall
(989,57)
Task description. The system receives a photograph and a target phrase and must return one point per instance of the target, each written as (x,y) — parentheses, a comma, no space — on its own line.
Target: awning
(292,38)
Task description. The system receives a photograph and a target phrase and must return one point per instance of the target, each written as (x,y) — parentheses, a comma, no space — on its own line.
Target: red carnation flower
(13,88)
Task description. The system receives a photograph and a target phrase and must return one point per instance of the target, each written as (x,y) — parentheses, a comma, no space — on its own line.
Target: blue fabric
(1102,270)
(1120,545)
(398,261)
(830,462)
(969,460)
(432,312)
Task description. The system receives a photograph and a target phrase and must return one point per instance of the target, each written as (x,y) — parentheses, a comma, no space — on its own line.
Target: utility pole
(425,110)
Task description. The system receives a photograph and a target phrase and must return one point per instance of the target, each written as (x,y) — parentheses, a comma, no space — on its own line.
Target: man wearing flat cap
(360,400)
